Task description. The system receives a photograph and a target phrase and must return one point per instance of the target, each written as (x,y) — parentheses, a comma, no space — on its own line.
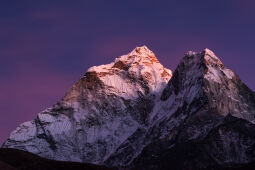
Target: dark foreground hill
(13,159)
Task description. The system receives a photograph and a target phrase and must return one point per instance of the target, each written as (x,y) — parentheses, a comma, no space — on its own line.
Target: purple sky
(46,46)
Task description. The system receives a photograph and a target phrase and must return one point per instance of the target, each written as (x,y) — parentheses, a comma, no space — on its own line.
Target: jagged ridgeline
(134,114)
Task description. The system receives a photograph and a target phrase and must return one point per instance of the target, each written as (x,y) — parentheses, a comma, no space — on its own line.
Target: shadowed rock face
(228,145)
(129,115)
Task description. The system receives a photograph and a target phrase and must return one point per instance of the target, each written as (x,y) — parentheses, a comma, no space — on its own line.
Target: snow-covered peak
(137,71)
(140,63)
(211,59)
(191,53)
(209,52)
(206,56)
(143,50)
(197,67)
(140,56)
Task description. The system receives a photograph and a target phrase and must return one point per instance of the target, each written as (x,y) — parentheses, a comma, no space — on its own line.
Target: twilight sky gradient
(46,46)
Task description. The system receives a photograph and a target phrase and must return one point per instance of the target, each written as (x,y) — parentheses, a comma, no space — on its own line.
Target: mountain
(99,113)
(211,119)
(134,114)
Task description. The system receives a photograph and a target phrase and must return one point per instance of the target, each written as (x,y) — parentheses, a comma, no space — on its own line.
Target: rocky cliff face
(132,114)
